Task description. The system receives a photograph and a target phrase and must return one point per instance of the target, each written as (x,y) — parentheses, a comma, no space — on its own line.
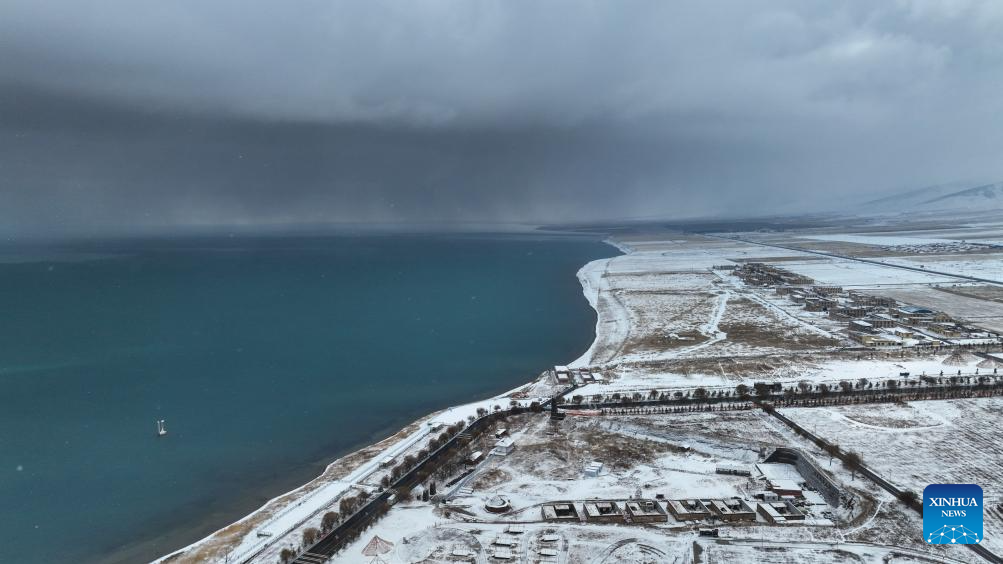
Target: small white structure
(376,548)
(785,487)
(502,554)
(593,469)
(475,457)
(767,496)
(498,504)
(733,470)
(504,446)
(387,462)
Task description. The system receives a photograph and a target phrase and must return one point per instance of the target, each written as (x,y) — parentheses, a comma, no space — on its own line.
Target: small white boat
(161,427)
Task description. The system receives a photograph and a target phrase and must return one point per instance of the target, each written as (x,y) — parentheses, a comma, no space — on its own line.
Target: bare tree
(911,499)
(310,536)
(329,520)
(742,391)
(853,461)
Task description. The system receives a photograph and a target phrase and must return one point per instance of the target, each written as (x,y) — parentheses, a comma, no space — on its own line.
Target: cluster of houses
(605,511)
(872,321)
(792,487)
(568,376)
(774,510)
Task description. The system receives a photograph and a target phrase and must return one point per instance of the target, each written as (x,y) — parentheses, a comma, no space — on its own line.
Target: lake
(268,357)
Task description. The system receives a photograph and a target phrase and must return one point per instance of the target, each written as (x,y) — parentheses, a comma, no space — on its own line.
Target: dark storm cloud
(118,114)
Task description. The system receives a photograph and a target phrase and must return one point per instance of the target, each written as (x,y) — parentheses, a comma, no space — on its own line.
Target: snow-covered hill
(980,198)
(944,197)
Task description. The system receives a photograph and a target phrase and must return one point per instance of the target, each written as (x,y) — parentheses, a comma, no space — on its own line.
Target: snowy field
(988,266)
(853,274)
(922,443)
(663,301)
(876,239)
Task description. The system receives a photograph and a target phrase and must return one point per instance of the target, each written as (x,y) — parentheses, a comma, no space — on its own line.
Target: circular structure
(498,504)
(959,358)
(990,363)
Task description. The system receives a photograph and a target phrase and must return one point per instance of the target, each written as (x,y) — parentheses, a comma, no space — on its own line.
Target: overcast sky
(122,114)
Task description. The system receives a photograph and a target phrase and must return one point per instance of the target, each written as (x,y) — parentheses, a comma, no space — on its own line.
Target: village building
(502,554)
(903,333)
(645,511)
(882,321)
(869,340)
(815,304)
(846,313)
(785,487)
(688,509)
(733,509)
(505,541)
(780,512)
(602,512)
(504,446)
(860,326)
(812,475)
(827,290)
(560,511)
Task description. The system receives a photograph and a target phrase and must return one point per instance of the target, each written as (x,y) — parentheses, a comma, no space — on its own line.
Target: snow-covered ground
(854,274)
(877,239)
(988,266)
(922,443)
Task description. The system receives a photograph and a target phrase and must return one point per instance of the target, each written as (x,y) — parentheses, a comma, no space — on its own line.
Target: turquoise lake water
(268,357)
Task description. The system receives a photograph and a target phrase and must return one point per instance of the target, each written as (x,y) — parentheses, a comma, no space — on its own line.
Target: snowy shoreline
(308,501)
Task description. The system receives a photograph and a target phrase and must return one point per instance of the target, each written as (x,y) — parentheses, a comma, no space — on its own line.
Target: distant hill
(954,196)
(987,196)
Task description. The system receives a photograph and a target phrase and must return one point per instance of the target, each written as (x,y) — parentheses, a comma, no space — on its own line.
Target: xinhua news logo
(952,514)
